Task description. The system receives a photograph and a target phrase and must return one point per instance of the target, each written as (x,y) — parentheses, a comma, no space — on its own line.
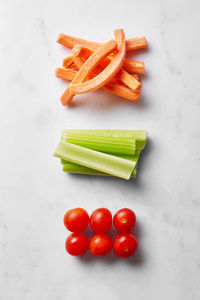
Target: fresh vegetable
(136,44)
(125,244)
(76,244)
(82,54)
(129,80)
(76,219)
(124,220)
(77,169)
(122,91)
(133,66)
(113,143)
(66,74)
(102,66)
(70,41)
(112,87)
(100,244)
(100,161)
(101,220)
(87,68)
(108,73)
(89,137)
(101,152)
(68,62)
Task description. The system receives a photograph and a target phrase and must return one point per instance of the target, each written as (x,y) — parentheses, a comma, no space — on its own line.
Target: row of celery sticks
(101,152)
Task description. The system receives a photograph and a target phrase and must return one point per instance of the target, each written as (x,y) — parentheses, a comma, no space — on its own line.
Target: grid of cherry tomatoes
(124,244)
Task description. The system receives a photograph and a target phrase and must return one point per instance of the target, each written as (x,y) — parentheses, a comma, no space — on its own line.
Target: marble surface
(35,194)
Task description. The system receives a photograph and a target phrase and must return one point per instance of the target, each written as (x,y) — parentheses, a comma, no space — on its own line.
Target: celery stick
(99,161)
(74,168)
(77,169)
(129,157)
(91,138)
(108,144)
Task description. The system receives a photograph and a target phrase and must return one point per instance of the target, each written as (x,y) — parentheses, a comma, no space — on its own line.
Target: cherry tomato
(76,219)
(101,220)
(125,244)
(124,220)
(76,244)
(100,244)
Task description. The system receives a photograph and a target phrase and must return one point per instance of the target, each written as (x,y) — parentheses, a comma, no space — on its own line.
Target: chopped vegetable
(129,80)
(112,87)
(70,41)
(70,167)
(112,144)
(101,152)
(102,66)
(140,136)
(122,91)
(87,68)
(68,62)
(82,53)
(136,44)
(105,163)
(129,65)
(66,74)
(108,73)
(133,66)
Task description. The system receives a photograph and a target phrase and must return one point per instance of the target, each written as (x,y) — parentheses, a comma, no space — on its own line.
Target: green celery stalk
(99,161)
(129,157)
(110,144)
(77,169)
(122,141)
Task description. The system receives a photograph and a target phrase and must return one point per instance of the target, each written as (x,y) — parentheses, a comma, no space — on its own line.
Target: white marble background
(35,194)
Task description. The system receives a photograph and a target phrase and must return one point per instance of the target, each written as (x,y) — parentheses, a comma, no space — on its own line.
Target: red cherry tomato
(76,244)
(101,220)
(100,244)
(124,220)
(76,219)
(125,244)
